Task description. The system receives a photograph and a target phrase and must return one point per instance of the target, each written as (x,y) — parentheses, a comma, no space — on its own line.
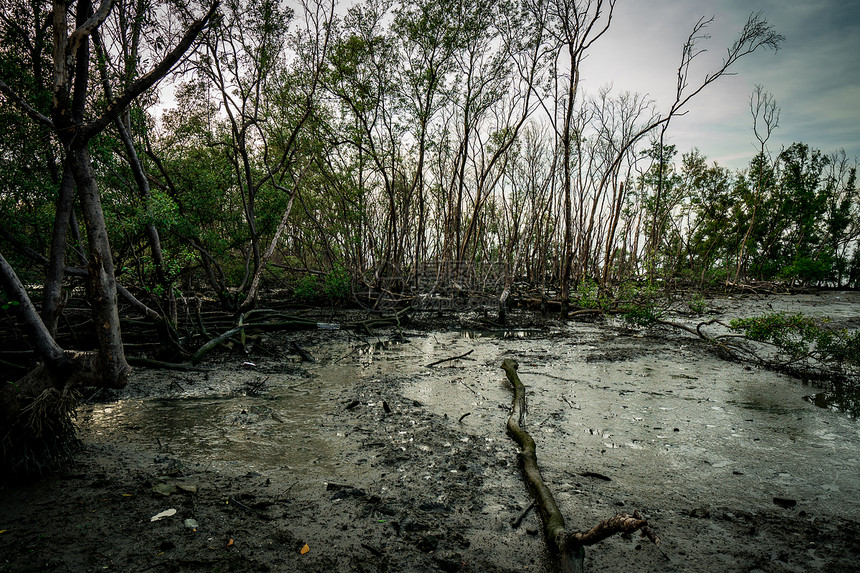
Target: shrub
(305,288)
(337,283)
(698,304)
(802,337)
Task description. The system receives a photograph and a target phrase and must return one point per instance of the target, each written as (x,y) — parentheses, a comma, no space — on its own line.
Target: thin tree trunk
(53,289)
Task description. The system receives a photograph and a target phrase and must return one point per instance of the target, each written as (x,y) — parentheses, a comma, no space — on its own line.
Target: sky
(814,77)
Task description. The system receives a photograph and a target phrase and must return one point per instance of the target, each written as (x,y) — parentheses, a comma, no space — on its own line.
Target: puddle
(846,401)
(280,427)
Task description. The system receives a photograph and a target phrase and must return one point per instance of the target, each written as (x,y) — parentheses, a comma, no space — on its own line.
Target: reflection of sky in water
(281,430)
(675,418)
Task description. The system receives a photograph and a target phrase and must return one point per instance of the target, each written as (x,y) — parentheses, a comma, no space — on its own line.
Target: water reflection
(844,400)
(282,429)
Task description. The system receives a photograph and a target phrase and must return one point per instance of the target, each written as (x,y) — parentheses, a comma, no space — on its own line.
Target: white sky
(815,76)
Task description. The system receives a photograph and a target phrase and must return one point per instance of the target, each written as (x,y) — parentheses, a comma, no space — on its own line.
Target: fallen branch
(519,519)
(809,366)
(465,354)
(150,363)
(304,354)
(566,545)
(282,325)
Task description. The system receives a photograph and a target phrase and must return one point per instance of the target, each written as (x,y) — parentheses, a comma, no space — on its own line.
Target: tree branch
(19,102)
(46,346)
(149,79)
(88,27)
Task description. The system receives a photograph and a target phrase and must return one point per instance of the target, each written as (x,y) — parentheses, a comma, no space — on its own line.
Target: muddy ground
(370,460)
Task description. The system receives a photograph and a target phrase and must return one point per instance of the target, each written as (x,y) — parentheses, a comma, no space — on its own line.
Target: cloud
(815,76)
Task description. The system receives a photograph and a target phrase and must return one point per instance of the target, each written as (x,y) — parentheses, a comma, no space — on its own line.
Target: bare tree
(574,26)
(755,34)
(765,116)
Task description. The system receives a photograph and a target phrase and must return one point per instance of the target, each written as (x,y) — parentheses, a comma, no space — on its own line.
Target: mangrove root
(37,433)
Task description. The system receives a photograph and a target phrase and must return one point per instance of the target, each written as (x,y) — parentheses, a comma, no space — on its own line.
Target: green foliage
(698,304)
(792,218)
(161,210)
(641,314)
(305,288)
(384,148)
(808,269)
(793,333)
(588,295)
(802,337)
(640,305)
(337,283)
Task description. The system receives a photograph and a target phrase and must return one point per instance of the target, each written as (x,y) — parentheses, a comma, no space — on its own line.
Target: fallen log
(566,545)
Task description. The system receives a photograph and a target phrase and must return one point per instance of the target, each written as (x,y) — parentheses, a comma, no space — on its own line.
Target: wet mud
(370,459)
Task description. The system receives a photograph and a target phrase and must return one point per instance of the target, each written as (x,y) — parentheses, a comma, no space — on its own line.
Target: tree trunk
(53,289)
(112,366)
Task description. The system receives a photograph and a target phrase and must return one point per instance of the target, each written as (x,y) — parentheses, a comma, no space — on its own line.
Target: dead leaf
(187,488)
(163,514)
(164,489)
(230,543)
(305,549)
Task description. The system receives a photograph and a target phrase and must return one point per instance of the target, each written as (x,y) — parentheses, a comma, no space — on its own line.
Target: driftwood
(567,545)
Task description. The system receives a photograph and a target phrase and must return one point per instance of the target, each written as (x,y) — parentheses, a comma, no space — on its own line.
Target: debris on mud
(366,459)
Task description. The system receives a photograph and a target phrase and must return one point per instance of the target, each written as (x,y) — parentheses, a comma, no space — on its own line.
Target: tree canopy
(373,152)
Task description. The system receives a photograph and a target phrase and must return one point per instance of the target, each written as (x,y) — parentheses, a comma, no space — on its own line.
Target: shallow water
(657,414)
(256,431)
(247,418)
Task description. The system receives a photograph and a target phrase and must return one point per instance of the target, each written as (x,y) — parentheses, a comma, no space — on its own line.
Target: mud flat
(371,460)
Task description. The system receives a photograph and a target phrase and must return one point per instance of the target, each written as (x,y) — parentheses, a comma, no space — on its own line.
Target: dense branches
(392,149)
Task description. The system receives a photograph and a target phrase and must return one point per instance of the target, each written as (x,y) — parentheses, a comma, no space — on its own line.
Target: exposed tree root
(37,434)
(567,545)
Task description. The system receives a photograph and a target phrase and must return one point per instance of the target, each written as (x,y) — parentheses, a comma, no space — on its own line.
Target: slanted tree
(74,123)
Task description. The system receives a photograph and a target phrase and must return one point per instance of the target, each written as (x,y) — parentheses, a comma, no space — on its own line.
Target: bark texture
(568,546)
